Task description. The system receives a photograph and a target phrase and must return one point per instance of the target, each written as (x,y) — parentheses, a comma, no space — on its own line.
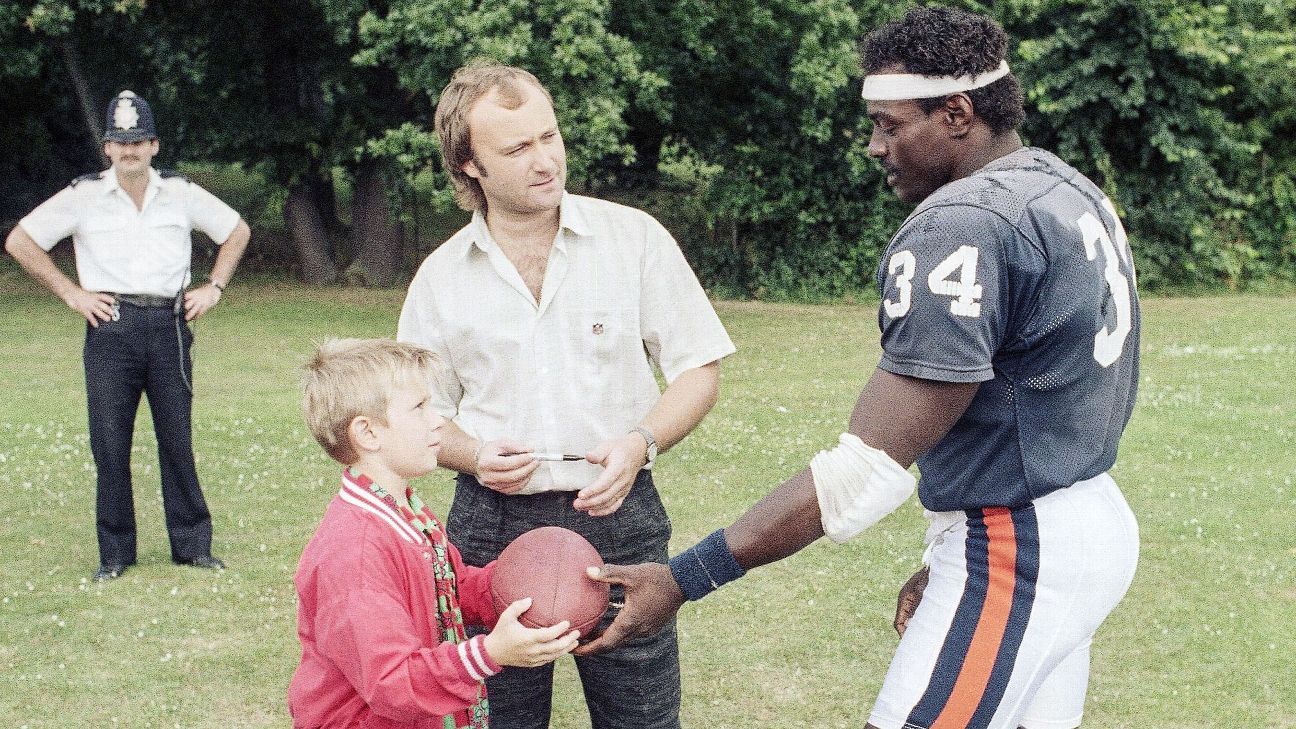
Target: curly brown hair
(939,41)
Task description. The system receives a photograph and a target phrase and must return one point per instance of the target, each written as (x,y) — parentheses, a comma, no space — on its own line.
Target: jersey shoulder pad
(172,175)
(86,178)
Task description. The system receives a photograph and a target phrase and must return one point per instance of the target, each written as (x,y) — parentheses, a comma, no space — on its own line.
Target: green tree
(272,86)
(746,114)
(1267,109)
(593,74)
(766,131)
(269,86)
(1143,96)
(52,124)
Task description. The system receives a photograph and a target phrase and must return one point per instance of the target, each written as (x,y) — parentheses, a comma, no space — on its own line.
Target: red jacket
(372,655)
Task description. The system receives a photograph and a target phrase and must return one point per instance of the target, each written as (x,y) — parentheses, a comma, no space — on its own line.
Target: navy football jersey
(1018,277)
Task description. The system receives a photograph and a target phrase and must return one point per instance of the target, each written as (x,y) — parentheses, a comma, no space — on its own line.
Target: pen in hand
(549,456)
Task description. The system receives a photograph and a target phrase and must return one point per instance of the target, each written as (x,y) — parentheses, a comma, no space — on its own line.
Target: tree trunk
(310,236)
(321,187)
(84,99)
(375,236)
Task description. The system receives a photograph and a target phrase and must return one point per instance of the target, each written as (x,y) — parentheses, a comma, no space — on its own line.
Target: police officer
(130,228)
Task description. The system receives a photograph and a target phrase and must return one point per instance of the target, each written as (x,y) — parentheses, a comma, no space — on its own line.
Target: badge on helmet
(129,119)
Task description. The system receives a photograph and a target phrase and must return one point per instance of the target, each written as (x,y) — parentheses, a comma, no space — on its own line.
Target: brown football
(548,565)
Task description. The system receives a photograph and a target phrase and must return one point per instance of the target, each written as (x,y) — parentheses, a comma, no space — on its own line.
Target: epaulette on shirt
(85,178)
(168,174)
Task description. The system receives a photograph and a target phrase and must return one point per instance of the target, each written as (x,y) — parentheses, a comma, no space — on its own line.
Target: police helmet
(129,119)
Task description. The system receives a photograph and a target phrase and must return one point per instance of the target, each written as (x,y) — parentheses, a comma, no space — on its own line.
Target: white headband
(903,86)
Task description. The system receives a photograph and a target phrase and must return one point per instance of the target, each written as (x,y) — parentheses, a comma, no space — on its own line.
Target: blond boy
(383,595)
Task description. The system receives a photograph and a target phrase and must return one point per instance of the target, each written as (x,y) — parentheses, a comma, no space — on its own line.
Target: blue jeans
(635,686)
(139,354)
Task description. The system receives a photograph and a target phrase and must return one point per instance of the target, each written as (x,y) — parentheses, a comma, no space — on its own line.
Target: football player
(1010,333)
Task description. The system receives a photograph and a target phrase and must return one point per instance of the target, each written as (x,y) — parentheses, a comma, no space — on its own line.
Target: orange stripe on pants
(975,673)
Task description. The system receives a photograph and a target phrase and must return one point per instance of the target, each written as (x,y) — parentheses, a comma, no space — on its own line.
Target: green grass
(1205,637)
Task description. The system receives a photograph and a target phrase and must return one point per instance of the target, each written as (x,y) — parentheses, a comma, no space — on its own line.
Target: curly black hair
(940,41)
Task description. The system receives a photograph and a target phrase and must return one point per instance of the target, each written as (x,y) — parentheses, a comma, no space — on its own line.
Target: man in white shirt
(130,229)
(550,311)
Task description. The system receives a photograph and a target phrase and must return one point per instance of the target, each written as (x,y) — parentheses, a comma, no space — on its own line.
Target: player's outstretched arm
(917,414)
(652,593)
(901,416)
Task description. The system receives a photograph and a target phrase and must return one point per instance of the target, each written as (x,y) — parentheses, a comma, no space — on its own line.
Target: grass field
(1206,636)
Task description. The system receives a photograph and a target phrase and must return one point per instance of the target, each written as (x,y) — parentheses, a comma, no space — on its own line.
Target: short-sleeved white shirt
(574,370)
(123,249)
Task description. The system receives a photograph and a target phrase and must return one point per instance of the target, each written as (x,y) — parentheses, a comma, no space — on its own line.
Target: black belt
(145,301)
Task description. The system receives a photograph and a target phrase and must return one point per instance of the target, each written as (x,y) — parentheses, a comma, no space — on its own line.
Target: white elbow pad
(856,486)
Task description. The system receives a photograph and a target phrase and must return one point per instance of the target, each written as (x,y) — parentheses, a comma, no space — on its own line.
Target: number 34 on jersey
(956,278)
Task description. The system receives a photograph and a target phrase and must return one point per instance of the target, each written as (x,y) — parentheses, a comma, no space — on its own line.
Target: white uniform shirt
(574,370)
(126,250)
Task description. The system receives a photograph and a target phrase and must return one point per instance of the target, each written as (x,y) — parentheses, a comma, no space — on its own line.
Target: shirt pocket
(168,225)
(107,236)
(609,352)
(165,239)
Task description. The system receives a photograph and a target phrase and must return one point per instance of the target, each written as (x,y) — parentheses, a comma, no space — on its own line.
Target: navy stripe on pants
(978,703)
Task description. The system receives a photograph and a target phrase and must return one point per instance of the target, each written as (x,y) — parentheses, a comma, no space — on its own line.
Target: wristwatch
(652,443)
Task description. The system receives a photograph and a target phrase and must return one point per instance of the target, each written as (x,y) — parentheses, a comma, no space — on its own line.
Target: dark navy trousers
(141,354)
(635,686)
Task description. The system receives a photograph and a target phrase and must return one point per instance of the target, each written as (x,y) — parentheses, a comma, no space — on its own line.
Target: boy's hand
(513,644)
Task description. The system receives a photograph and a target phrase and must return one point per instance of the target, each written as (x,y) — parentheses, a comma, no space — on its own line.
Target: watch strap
(649,439)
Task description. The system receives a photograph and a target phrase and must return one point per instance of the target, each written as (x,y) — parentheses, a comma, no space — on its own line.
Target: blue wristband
(705,566)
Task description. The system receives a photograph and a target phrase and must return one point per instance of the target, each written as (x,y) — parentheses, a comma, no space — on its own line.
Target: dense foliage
(1179,108)
(737,121)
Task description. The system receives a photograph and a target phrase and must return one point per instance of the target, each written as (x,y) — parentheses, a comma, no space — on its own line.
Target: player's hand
(94,306)
(513,644)
(907,602)
(652,597)
(198,301)
(505,466)
(622,459)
